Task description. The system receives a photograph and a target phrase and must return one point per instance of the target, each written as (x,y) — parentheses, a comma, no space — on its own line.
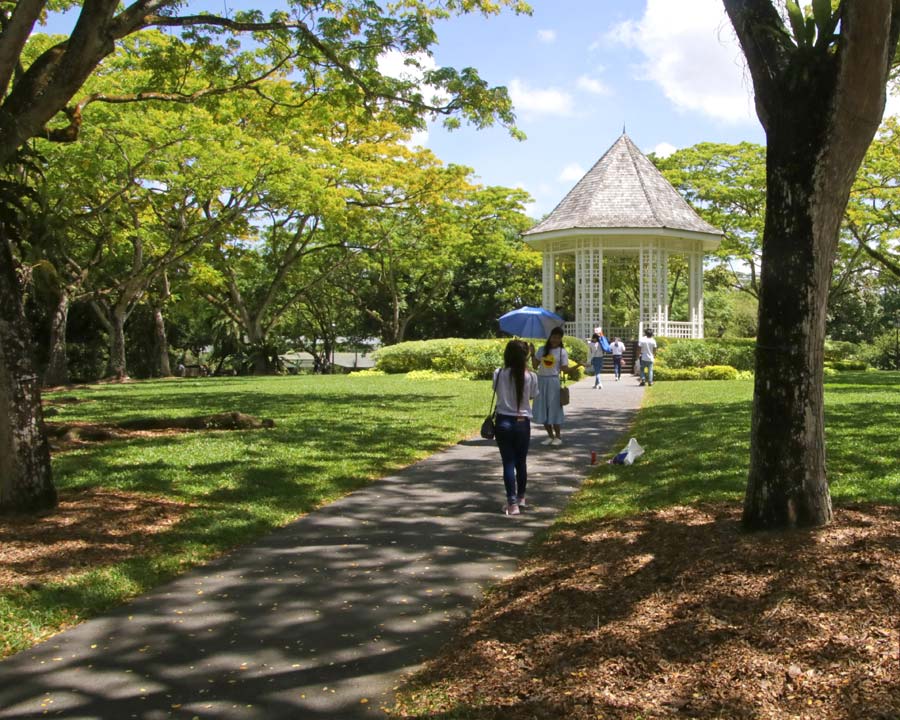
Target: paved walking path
(322,618)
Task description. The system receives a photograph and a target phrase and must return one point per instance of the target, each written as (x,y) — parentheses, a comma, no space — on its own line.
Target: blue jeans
(647,365)
(513,436)
(597,365)
(617,366)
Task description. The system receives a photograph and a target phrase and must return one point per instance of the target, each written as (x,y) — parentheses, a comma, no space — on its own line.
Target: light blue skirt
(547,410)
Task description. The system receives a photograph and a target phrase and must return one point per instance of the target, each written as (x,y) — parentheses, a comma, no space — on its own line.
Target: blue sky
(578,70)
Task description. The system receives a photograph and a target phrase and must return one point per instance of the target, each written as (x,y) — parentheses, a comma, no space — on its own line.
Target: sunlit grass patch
(697,441)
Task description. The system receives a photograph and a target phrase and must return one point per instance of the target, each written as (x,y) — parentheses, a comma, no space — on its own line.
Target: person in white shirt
(648,354)
(595,357)
(516,386)
(617,348)
(549,361)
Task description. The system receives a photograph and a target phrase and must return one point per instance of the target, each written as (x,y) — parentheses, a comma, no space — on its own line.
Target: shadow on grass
(843,382)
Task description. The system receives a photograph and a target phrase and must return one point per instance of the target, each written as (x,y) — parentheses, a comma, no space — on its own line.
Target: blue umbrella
(530,322)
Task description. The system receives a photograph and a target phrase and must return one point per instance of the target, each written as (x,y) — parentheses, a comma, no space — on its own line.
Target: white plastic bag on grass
(631,452)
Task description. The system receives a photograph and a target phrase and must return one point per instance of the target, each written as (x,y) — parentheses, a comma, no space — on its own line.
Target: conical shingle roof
(623,190)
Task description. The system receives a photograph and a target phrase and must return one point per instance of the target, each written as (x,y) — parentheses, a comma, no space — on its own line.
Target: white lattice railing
(667,329)
(676,330)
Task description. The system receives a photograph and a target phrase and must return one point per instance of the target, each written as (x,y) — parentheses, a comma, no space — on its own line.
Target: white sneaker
(511,510)
(556,441)
(548,441)
(600,387)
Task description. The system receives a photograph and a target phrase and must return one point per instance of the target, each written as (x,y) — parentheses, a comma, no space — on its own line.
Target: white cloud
(544,198)
(592,85)
(396,64)
(892,106)
(547,36)
(571,173)
(693,56)
(547,101)
(419,138)
(664,149)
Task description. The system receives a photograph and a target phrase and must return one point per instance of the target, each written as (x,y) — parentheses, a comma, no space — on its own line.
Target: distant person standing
(516,386)
(648,354)
(595,357)
(549,361)
(617,348)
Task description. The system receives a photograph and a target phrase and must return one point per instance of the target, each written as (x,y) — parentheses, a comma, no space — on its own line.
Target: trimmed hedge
(845,365)
(476,359)
(737,353)
(718,372)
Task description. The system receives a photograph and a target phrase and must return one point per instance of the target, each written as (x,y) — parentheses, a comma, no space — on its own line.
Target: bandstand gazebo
(623,208)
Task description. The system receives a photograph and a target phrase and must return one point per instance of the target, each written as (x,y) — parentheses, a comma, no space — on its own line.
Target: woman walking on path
(595,356)
(516,386)
(549,361)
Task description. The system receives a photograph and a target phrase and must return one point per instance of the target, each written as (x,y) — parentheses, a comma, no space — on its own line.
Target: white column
(663,290)
(698,305)
(588,287)
(548,290)
(653,279)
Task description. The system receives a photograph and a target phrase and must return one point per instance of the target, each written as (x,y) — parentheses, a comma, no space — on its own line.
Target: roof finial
(623,128)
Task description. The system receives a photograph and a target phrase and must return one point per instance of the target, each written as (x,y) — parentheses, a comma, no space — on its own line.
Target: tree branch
(15,35)
(764,40)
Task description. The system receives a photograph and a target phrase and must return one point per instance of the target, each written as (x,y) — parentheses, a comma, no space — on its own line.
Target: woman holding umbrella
(549,361)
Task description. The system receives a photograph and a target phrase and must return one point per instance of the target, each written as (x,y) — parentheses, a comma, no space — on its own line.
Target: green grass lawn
(332,435)
(697,440)
(335,434)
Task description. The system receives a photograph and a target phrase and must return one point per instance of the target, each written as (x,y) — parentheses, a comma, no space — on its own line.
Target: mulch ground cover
(89,528)
(679,614)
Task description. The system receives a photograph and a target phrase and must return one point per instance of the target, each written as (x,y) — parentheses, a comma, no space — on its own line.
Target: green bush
(435,375)
(847,365)
(718,372)
(661,371)
(476,359)
(882,352)
(577,349)
(735,352)
(840,350)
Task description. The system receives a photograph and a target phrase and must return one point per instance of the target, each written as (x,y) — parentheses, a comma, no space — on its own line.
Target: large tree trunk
(58,367)
(26,482)
(820,101)
(163,366)
(787,484)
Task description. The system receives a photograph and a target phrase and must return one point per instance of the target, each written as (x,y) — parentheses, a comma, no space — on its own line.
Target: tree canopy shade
(329,50)
(819,81)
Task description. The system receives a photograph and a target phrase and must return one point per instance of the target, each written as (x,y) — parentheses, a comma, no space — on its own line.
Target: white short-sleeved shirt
(594,350)
(648,348)
(505,385)
(617,348)
(549,364)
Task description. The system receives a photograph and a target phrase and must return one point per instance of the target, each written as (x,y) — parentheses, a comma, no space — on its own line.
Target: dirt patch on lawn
(70,435)
(678,614)
(89,528)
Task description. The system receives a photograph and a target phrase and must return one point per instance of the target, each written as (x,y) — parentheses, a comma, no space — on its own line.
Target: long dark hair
(554,331)
(514,357)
